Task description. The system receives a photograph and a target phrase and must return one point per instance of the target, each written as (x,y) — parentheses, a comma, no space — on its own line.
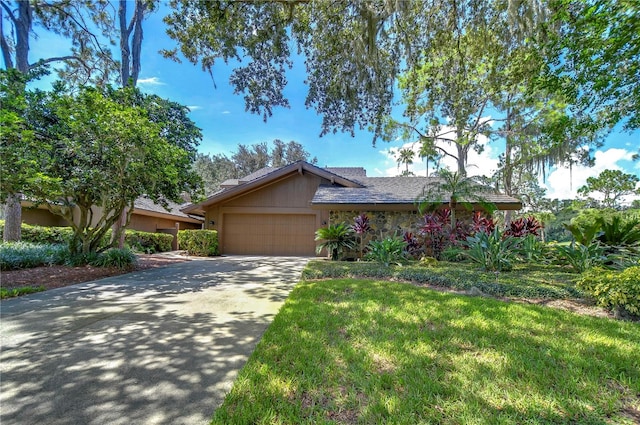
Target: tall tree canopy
(98,150)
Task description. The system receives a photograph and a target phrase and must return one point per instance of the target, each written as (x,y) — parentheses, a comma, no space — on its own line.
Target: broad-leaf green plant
(491,250)
(387,251)
(335,239)
(581,257)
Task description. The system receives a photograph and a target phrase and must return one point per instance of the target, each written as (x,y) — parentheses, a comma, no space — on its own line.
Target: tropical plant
(387,251)
(412,245)
(405,156)
(580,257)
(584,235)
(523,226)
(482,223)
(456,189)
(616,231)
(531,249)
(491,250)
(335,239)
(361,227)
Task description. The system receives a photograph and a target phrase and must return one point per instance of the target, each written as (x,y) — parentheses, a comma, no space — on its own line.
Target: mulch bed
(58,276)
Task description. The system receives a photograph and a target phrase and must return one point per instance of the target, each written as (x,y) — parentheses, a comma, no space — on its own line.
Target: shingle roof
(257,174)
(173,208)
(348,172)
(390,190)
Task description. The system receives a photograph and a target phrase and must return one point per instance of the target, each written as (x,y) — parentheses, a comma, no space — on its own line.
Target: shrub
(613,289)
(491,251)
(336,238)
(387,251)
(361,226)
(115,257)
(581,257)
(24,255)
(148,242)
(43,235)
(202,243)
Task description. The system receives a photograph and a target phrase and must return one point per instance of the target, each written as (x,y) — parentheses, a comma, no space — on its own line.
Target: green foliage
(524,281)
(492,251)
(532,250)
(614,289)
(613,185)
(583,235)
(24,255)
(453,254)
(148,242)
(42,234)
(16,292)
(428,262)
(336,238)
(107,148)
(616,230)
(581,257)
(387,251)
(115,257)
(201,243)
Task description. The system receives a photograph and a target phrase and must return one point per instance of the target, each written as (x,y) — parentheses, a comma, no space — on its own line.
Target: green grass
(23,290)
(525,280)
(374,352)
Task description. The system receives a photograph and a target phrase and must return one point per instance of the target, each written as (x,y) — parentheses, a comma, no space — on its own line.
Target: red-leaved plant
(522,227)
(361,227)
(481,223)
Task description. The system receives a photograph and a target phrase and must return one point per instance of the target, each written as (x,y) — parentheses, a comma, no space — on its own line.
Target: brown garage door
(269,234)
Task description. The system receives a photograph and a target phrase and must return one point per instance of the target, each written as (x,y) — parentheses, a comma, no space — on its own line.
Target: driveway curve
(159,346)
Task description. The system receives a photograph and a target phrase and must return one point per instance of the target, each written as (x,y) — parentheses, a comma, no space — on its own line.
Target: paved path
(159,346)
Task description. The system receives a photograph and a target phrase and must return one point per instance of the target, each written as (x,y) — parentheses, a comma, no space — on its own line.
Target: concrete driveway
(159,346)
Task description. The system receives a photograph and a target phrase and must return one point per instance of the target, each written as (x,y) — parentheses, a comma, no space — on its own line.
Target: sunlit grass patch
(365,351)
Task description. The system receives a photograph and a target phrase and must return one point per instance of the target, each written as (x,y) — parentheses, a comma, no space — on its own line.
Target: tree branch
(10,12)
(4,46)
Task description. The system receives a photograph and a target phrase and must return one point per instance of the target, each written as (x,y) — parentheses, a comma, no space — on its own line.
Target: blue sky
(221,116)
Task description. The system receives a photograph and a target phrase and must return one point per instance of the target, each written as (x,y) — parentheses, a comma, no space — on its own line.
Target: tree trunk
(13,219)
(13,210)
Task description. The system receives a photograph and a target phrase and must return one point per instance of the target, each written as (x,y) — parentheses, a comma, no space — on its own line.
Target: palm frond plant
(335,239)
(456,189)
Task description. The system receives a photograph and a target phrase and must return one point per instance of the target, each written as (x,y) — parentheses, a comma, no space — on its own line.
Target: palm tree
(405,156)
(458,189)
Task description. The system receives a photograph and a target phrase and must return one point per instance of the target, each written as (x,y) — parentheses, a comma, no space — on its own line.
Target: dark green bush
(613,289)
(202,243)
(148,242)
(24,255)
(114,257)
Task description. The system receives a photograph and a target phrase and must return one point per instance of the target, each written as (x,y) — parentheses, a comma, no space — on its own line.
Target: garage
(269,234)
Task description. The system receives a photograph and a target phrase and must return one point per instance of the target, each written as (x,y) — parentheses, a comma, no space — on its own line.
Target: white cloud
(226,112)
(194,107)
(563,183)
(484,163)
(151,81)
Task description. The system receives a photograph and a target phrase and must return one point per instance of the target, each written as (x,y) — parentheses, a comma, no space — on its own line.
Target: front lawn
(367,351)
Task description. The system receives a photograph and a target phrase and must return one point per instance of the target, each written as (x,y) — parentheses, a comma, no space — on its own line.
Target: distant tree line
(216,168)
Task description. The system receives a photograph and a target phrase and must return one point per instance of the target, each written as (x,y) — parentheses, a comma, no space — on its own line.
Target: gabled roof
(266,176)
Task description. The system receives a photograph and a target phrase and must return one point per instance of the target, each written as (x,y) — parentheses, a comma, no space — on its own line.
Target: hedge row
(138,241)
(202,243)
(455,276)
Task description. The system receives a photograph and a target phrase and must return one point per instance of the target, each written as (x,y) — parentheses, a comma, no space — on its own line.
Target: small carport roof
(267,178)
